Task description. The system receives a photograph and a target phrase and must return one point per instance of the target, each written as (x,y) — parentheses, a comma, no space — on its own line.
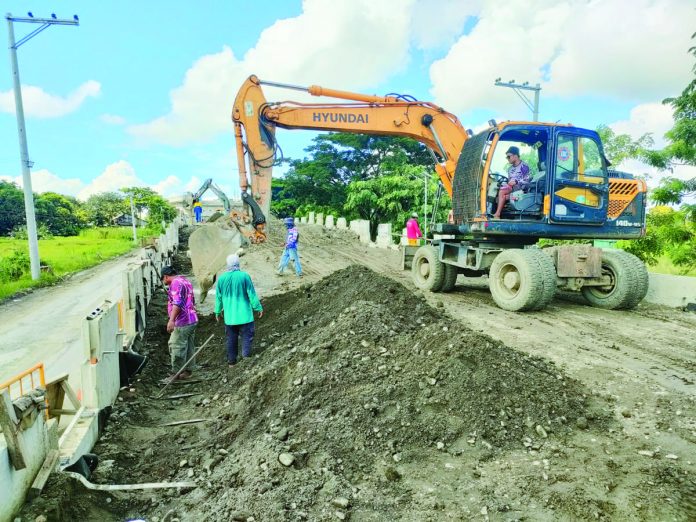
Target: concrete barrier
(311,219)
(362,228)
(320,220)
(384,235)
(671,290)
(38,440)
(134,301)
(341,223)
(329,223)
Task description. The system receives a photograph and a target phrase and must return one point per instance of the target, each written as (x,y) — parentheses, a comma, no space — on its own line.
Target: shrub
(14,266)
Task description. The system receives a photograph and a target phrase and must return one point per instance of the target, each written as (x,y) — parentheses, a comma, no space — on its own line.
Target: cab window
(578,158)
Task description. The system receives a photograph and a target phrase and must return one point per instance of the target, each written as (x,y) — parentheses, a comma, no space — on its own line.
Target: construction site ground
(367,399)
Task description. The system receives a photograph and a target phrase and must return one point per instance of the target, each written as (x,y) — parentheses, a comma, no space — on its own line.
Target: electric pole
(21,128)
(518,88)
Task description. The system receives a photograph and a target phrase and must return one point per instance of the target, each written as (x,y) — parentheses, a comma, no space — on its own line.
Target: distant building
(125,220)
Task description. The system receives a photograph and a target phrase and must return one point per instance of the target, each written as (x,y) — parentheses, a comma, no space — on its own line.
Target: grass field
(69,254)
(665,266)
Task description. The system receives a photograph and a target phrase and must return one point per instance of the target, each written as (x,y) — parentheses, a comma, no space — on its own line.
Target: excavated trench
(361,401)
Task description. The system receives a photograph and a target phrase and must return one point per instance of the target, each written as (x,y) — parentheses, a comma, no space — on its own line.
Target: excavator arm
(255,121)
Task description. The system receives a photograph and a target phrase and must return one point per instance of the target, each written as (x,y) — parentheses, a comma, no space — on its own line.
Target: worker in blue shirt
(290,251)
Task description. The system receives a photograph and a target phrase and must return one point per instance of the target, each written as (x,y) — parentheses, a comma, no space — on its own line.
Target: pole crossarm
(518,88)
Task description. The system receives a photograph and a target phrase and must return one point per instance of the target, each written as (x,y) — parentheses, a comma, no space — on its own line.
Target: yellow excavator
(572,194)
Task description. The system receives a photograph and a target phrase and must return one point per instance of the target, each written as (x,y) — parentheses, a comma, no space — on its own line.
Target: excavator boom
(256,119)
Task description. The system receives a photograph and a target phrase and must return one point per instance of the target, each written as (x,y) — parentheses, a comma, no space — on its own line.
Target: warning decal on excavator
(248,108)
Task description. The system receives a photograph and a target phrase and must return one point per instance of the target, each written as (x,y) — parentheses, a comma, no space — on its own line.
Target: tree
(620,147)
(101,210)
(681,148)
(147,200)
(337,159)
(58,214)
(11,207)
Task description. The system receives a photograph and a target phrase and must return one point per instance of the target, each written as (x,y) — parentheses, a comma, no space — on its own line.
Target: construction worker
(413,231)
(198,210)
(182,322)
(518,178)
(236,301)
(290,251)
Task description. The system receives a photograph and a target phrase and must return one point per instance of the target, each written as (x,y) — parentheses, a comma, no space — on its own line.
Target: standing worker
(198,210)
(413,231)
(182,320)
(290,251)
(236,300)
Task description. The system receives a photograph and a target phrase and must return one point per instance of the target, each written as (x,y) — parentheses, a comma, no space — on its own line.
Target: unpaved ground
(384,409)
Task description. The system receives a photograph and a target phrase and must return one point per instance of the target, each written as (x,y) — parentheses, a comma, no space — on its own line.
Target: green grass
(665,266)
(70,254)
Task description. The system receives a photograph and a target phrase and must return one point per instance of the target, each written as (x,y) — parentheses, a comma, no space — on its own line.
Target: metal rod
(439,143)
(283,85)
(173,377)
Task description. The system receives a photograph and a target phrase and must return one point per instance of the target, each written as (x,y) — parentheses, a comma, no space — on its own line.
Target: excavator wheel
(450,279)
(521,280)
(427,270)
(629,282)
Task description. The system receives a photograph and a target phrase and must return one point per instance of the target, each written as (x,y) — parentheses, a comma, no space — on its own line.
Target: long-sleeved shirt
(235,294)
(292,237)
(180,293)
(413,231)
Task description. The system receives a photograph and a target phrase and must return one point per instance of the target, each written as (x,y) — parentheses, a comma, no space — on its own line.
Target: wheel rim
(509,281)
(602,292)
(424,268)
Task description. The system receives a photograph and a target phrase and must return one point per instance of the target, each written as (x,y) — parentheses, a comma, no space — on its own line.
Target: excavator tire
(450,279)
(548,269)
(427,270)
(641,277)
(518,280)
(627,283)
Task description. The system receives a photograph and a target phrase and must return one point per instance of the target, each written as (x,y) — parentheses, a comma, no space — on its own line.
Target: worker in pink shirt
(413,231)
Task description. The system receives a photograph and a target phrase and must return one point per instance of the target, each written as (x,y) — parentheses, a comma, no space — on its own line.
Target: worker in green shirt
(236,300)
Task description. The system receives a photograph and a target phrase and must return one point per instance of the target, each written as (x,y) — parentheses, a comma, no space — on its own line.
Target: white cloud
(438,22)
(578,47)
(40,104)
(45,181)
(113,119)
(653,118)
(115,177)
(346,44)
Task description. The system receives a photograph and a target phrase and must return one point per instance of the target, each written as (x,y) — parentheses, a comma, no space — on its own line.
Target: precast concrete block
(320,220)
(312,218)
(329,223)
(404,238)
(671,290)
(362,228)
(100,373)
(384,235)
(341,223)
(303,220)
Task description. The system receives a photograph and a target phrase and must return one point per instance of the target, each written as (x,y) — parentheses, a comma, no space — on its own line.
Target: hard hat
(414,214)
(289,221)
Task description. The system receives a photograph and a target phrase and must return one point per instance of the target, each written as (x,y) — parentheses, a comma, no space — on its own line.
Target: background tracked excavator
(573,195)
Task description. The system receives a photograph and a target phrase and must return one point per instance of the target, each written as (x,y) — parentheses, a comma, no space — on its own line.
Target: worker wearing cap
(290,251)
(236,301)
(413,231)
(182,322)
(518,178)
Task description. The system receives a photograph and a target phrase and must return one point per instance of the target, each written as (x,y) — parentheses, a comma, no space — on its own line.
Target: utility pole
(21,129)
(518,88)
(135,233)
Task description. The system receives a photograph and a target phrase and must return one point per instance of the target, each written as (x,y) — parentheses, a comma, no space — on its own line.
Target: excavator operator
(518,178)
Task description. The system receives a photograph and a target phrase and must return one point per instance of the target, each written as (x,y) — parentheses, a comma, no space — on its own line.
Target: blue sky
(141,92)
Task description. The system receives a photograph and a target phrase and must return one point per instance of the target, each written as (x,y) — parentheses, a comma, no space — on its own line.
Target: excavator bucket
(209,246)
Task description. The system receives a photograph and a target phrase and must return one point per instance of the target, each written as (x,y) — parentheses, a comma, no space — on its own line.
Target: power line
(518,88)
